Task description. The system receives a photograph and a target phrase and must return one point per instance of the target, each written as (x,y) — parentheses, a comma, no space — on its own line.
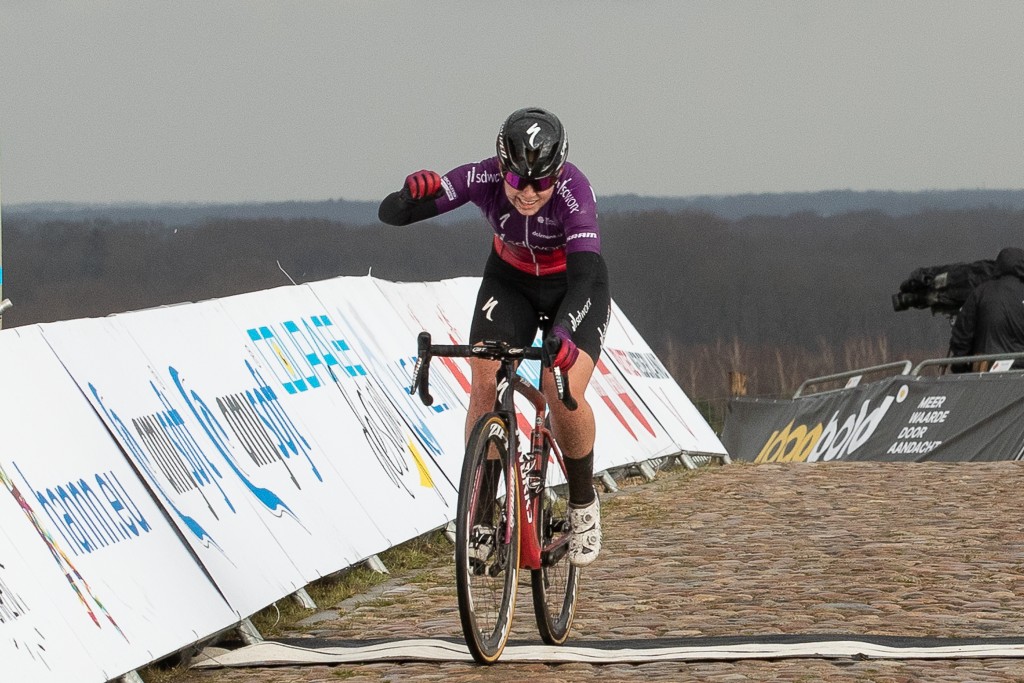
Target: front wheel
(556,583)
(487,540)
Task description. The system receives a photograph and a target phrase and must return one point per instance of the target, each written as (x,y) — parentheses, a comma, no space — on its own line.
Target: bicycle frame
(528,507)
(530,472)
(529,465)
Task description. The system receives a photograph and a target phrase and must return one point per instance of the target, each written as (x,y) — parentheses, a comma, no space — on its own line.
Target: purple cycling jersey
(535,244)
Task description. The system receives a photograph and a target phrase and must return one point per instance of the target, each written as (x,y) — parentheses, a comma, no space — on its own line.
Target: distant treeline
(778,298)
(731,207)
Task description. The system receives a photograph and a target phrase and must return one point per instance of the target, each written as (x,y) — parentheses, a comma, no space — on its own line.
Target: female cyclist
(545,271)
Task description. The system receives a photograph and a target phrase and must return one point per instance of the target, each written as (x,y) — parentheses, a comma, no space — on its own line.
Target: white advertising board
(263,440)
(177,443)
(88,561)
(655,386)
(331,371)
(387,343)
(627,417)
(36,642)
(429,307)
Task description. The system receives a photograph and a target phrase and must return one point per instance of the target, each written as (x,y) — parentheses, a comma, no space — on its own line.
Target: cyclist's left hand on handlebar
(561,349)
(422,185)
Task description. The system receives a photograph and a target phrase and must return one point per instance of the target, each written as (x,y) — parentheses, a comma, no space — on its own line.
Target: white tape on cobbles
(270,653)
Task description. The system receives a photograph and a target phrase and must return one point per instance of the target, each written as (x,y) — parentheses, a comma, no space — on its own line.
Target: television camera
(943,289)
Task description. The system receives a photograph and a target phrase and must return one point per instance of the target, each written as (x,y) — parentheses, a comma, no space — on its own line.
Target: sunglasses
(519,182)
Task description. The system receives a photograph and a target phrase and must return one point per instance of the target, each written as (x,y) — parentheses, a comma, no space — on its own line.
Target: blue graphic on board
(219,438)
(310,353)
(176,464)
(90,513)
(142,459)
(264,402)
(183,444)
(313,353)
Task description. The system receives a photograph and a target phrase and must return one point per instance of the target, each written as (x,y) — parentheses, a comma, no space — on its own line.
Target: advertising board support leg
(302,597)
(374,564)
(687,461)
(608,480)
(248,633)
(646,471)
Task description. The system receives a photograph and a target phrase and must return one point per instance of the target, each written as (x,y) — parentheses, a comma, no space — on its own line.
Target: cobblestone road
(915,549)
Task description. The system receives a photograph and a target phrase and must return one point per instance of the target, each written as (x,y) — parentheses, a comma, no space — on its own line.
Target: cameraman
(992,318)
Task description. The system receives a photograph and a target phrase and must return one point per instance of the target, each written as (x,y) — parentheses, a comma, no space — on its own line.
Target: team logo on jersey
(576,318)
(565,193)
(449,189)
(603,329)
(488,308)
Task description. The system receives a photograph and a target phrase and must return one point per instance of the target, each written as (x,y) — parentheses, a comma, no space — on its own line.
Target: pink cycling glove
(423,184)
(567,352)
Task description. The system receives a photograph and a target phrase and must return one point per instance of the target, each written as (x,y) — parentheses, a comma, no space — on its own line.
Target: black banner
(903,418)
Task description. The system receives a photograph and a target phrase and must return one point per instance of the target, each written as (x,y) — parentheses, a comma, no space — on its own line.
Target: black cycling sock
(580,473)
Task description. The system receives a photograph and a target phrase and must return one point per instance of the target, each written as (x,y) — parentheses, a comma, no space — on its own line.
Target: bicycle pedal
(560,526)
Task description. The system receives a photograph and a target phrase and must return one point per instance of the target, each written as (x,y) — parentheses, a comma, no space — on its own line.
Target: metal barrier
(957,360)
(908,368)
(905,364)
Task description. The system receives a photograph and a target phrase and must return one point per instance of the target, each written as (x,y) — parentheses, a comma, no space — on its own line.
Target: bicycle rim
(487,591)
(556,583)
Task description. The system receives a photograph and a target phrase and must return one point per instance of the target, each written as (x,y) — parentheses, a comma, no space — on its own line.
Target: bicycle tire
(487,591)
(556,584)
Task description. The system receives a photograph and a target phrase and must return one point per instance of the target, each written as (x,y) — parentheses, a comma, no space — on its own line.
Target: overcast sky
(251,100)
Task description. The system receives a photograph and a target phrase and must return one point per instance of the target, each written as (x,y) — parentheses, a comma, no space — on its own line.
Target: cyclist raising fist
(545,271)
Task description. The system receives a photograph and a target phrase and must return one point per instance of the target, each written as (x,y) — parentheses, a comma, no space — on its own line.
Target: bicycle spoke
(487,543)
(556,583)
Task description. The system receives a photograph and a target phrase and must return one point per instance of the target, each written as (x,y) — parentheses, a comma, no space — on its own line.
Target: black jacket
(992,318)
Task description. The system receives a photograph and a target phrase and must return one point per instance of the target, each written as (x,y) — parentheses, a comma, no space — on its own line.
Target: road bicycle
(512,510)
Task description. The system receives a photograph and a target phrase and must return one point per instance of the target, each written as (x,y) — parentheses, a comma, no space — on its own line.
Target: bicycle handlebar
(492,350)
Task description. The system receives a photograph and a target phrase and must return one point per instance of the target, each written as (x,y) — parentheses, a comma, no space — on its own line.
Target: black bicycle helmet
(532,143)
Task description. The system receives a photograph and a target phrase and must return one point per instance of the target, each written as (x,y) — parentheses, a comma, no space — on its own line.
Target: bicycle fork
(531,473)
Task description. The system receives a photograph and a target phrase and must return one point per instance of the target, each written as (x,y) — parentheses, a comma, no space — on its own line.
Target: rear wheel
(556,583)
(487,541)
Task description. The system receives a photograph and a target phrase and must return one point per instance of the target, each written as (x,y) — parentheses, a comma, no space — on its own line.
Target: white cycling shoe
(585,541)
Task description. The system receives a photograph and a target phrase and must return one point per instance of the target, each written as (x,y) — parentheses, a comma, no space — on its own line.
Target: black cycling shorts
(512,305)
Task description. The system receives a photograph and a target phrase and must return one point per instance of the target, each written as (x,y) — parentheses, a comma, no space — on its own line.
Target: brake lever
(421,371)
(562,387)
